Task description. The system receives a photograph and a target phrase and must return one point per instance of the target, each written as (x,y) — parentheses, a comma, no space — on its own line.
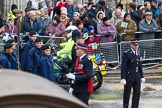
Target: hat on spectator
(64,12)
(33,33)
(106,18)
(76,34)
(63,8)
(38,39)
(82,46)
(46,46)
(90,28)
(134,41)
(7,45)
(14,6)
(148,13)
(77,13)
(10,41)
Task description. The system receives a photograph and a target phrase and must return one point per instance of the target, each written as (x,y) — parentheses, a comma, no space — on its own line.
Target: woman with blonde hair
(9,27)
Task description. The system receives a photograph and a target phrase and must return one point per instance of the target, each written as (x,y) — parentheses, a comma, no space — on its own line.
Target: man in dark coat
(132,74)
(31,24)
(25,50)
(34,56)
(6,56)
(46,64)
(14,62)
(82,77)
(78,38)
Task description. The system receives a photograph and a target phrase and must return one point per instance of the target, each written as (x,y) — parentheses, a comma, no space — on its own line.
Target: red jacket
(91,40)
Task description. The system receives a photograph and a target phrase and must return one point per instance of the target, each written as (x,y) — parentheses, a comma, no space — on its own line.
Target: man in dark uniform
(6,56)
(78,38)
(132,74)
(82,77)
(34,56)
(14,62)
(46,64)
(26,48)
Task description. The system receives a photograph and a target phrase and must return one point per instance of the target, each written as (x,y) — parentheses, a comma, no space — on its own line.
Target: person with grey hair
(149,26)
(31,24)
(117,17)
(44,19)
(70,9)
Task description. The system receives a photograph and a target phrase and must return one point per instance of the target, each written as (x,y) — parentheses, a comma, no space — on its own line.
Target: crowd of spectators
(48,18)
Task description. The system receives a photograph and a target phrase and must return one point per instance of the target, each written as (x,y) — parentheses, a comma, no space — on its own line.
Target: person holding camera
(107,30)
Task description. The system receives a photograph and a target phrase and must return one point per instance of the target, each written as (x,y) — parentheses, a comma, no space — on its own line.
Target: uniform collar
(82,56)
(133,51)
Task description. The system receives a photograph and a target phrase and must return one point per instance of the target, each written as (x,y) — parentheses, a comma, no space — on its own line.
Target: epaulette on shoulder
(126,51)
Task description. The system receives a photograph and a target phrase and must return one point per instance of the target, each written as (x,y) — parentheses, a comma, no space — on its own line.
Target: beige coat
(129,30)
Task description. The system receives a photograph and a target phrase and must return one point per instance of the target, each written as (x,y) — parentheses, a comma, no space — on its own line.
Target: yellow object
(160,67)
(67,48)
(12,15)
(102,68)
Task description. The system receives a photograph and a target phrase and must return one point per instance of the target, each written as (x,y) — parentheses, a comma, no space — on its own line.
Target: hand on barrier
(71,90)
(70,76)
(143,80)
(123,81)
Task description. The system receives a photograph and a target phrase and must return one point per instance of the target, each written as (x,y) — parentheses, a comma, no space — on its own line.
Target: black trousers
(84,97)
(136,94)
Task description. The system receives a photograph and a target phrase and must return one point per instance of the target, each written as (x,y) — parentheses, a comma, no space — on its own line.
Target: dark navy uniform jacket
(47,67)
(5,60)
(131,68)
(73,56)
(81,80)
(14,64)
(34,56)
(24,55)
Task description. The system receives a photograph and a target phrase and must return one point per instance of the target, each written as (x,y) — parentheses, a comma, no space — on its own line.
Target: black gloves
(107,34)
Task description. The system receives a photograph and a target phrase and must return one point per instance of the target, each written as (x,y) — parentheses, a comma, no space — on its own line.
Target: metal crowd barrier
(48,39)
(151,49)
(110,51)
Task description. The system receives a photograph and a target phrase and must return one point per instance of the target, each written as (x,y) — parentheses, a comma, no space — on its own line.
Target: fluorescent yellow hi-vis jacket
(66,48)
(12,15)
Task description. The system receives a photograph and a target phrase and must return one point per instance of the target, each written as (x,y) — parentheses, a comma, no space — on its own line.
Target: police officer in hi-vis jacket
(82,77)
(132,74)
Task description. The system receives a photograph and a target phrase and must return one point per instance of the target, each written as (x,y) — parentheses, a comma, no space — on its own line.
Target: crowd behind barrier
(151,49)
(88,17)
